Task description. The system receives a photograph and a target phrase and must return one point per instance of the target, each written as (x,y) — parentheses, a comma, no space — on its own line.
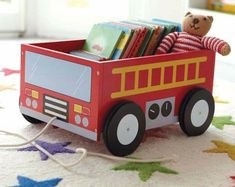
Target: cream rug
(206,160)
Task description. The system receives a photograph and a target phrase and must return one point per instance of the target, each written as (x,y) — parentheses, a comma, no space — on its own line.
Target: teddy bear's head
(198,25)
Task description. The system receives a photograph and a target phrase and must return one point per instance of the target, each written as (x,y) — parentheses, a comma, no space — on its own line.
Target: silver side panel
(64,125)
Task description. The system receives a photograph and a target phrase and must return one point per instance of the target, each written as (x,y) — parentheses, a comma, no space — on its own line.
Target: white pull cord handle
(83,151)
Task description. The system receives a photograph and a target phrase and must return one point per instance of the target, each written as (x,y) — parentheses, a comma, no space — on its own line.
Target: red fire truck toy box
(119,99)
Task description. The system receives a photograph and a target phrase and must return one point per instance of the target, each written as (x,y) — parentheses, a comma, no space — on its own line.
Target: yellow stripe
(158,65)
(123,82)
(123,42)
(157,88)
(162,66)
(150,77)
(197,71)
(136,79)
(186,72)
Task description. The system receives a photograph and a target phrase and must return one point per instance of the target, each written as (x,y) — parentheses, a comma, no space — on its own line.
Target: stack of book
(125,39)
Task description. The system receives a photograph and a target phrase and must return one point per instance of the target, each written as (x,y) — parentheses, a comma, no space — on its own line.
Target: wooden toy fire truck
(119,99)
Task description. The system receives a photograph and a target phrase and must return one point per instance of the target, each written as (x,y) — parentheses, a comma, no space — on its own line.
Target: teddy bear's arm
(167,43)
(216,44)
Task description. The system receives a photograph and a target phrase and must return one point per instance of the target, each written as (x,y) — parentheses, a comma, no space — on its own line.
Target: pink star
(8,71)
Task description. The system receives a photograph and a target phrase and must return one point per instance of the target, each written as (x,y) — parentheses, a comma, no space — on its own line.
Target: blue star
(52,148)
(27,182)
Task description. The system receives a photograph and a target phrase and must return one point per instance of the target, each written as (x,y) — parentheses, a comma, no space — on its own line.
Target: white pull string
(83,151)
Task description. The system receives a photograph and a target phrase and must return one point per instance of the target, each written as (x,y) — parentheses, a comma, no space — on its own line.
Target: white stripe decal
(55,114)
(55,107)
(55,100)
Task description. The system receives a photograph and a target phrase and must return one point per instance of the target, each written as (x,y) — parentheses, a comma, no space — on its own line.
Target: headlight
(85,121)
(77,119)
(28,102)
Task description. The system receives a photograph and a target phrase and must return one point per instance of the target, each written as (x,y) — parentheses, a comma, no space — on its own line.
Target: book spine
(137,44)
(131,43)
(153,42)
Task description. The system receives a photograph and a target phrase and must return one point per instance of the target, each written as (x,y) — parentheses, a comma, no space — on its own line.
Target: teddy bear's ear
(188,13)
(210,18)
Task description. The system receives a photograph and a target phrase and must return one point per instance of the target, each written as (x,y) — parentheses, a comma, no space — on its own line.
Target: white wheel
(127,129)
(196,112)
(199,113)
(124,128)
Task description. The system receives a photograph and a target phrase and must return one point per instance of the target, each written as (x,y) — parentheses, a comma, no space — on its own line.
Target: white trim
(55,114)
(56,100)
(200,113)
(64,125)
(55,107)
(127,129)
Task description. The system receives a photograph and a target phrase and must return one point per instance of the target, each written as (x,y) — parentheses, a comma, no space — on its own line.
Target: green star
(223,147)
(145,169)
(221,121)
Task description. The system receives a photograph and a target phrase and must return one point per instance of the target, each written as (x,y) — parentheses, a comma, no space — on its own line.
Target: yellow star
(7,87)
(223,147)
(218,100)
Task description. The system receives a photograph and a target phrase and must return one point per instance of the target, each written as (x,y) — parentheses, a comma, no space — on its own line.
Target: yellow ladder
(161,86)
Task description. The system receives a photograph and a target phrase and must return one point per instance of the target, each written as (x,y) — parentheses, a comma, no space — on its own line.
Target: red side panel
(142,65)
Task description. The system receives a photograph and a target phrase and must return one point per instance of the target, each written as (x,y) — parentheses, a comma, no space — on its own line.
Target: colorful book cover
(136,47)
(178,26)
(136,33)
(152,45)
(87,55)
(123,43)
(102,40)
(150,31)
(139,40)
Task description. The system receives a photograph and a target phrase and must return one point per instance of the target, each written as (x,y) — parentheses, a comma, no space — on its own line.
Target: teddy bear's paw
(226,49)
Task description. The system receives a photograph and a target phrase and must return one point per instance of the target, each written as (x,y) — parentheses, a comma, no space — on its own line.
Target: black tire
(31,120)
(196,112)
(125,143)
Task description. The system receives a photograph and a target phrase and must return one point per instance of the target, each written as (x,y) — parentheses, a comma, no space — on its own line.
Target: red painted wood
(104,83)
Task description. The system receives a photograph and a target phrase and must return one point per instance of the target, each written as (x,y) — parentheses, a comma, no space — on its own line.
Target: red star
(8,71)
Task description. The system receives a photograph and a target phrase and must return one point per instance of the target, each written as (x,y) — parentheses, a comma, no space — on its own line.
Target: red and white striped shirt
(182,42)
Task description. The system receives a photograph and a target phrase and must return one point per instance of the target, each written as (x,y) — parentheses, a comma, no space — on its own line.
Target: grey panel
(58,75)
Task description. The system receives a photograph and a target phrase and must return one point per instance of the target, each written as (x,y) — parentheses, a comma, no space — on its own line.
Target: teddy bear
(192,37)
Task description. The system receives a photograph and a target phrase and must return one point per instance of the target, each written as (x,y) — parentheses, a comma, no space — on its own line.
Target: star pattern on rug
(222,147)
(145,170)
(221,121)
(233,179)
(8,71)
(52,148)
(7,87)
(218,100)
(27,182)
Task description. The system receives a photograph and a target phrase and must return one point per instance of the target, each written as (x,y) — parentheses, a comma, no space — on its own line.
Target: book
(102,40)
(149,33)
(154,41)
(87,55)
(142,31)
(136,32)
(178,26)
(123,43)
